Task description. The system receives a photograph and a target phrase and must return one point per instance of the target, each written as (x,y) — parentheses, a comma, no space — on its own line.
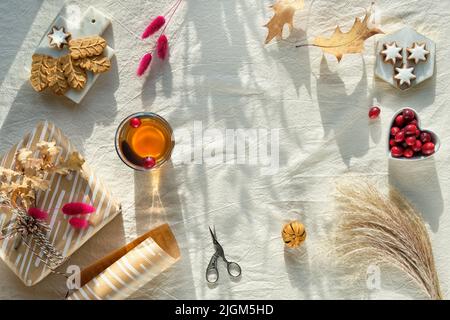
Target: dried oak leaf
(76,77)
(41,67)
(86,47)
(26,164)
(350,42)
(73,163)
(57,79)
(284,11)
(95,64)
(48,152)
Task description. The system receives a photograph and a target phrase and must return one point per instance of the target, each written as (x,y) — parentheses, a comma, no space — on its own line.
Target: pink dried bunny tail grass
(79,223)
(38,214)
(144,63)
(154,26)
(162,47)
(75,208)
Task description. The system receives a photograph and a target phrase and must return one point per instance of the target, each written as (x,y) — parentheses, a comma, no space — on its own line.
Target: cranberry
(374,112)
(149,162)
(408,153)
(399,120)
(425,137)
(399,137)
(414,122)
(396,151)
(417,133)
(395,130)
(392,143)
(135,122)
(410,129)
(417,146)
(408,114)
(428,148)
(410,141)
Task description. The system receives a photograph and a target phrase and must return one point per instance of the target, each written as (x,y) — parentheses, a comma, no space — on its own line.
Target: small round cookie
(58,37)
(391,52)
(404,75)
(418,52)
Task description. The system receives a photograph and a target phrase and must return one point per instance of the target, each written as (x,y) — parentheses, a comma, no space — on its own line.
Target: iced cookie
(391,53)
(418,52)
(404,75)
(58,37)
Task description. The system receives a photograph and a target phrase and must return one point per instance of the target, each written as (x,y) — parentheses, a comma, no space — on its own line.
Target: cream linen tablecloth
(221,74)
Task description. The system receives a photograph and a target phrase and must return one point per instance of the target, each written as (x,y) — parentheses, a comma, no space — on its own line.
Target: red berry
(425,137)
(410,129)
(417,133)
(410,141)
(414,122)
(399,137)
(408,114)
(399,120)
(417,146)
(392,143)
(397,151)
(149,162)
(408,153)
(395,130)
(374,112)
(135,122)
(428,148)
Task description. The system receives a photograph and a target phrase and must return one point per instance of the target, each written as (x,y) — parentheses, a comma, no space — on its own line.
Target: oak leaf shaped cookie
(284,11)
(57,79)
(86,47)
(95,64)
(41,66)
(76,77)
(350,42)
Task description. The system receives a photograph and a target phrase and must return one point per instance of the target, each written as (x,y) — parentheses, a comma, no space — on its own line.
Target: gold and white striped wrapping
(128,274)
(81,186)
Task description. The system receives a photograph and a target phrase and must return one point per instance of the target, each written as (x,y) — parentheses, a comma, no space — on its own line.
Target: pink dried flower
(154,26)
(38,214)
(162,47)
(75,208)
(144,63)
(79,223)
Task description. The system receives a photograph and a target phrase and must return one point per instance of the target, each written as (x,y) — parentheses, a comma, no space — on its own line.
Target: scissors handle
(212,273)
(234,270)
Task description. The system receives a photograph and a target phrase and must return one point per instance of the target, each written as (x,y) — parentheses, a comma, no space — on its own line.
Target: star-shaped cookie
(418,52)
(405,75)
(58,37)
(391,52)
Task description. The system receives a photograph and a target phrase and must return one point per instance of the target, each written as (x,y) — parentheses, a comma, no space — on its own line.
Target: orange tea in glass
(144,141)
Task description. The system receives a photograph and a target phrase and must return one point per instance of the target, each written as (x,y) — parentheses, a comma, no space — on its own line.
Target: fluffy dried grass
(379,229)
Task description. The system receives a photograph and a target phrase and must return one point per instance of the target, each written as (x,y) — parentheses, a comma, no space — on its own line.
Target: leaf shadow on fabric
(342,113)
(422,187)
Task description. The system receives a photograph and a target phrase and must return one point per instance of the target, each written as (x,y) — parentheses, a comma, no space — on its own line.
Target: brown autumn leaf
(95,64)
(86,47)
(350,42)
(284,11)
(73,163)
(48,152)
(41,67)
(75,76)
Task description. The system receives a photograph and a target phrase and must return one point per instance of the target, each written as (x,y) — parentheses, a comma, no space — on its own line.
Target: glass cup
(144,141)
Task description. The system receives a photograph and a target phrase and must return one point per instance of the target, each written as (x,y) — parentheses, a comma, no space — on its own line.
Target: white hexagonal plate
(405,38)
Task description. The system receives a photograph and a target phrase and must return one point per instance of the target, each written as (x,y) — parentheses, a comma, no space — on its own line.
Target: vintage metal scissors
(212,273)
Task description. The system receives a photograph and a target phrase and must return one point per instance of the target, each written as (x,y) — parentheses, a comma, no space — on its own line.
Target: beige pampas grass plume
(378,229)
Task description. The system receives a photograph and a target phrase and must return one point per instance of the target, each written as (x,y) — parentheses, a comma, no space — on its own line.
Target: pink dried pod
(79,223)
(144,63)
(75,208)
(154,26)
(38,213)
(162,47)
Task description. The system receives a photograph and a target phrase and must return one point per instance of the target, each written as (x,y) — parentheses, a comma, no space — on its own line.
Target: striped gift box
(81,186)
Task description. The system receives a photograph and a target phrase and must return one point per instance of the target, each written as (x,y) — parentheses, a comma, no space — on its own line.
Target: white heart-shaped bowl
(434,138)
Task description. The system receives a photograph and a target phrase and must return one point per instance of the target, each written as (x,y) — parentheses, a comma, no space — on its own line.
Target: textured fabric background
(221,74)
